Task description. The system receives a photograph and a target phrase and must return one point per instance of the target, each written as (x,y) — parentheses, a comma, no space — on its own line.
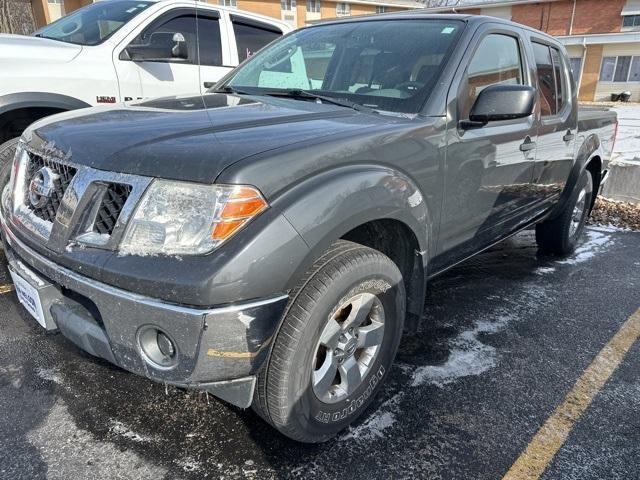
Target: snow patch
(544,270)
(627,146)
(596,242)
(609,228)
(468,356)
(123,431)
(383,418)
(49,374)
(188,464)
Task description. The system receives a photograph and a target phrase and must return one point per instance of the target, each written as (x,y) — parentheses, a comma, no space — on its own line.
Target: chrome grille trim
(77,214)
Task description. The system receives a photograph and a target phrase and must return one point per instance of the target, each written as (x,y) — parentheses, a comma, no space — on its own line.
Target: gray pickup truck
(270,241)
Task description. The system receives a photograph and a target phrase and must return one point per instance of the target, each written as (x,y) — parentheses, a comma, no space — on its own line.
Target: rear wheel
(561,235)
(337,342)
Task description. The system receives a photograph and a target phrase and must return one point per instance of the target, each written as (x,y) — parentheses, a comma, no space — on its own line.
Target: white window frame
(381,9)
(577,76)
(314,6)
(228,3)
(288,5)
(343,9)
(632,27)
(634,58)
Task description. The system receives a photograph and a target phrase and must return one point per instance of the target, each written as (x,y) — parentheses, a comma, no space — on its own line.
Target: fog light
(158,349)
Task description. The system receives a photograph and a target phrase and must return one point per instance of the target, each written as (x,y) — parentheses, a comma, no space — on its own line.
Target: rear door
(242,37)
(558,122)
(488,170)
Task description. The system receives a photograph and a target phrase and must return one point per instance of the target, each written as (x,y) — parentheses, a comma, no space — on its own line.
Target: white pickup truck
(122,50)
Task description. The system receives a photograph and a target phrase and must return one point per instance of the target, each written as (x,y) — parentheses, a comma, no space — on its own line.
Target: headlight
(176,218)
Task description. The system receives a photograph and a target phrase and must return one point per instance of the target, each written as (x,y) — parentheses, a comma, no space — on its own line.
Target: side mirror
(161,47)
(179,49)
(501,102)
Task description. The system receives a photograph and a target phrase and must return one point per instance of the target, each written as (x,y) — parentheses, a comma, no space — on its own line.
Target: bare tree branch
(440,3)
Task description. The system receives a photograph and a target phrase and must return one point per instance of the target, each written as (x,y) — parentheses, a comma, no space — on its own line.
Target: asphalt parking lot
(505,338)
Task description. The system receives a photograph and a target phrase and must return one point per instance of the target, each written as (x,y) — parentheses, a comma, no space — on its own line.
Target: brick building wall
(270,8)
(554,18)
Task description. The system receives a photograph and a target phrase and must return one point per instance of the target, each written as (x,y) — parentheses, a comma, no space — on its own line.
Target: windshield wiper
(306,94)
(230,89)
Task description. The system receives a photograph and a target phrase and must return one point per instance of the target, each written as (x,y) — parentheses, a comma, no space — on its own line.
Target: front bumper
(218,349)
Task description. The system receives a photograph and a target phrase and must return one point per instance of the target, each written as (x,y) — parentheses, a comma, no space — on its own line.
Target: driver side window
(190,27)
(496,61)
(162,36)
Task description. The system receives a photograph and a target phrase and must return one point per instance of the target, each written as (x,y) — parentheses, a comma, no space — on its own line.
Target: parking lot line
(549,439)
(6,288)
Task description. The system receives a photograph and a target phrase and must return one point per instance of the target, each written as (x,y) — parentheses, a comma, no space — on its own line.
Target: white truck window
(251,35)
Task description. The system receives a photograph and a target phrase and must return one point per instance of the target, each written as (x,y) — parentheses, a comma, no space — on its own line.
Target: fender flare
(590,148)
(324,208)
(15,101)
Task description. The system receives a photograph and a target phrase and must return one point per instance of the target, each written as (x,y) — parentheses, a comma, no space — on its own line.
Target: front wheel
(336,344)
(561,235)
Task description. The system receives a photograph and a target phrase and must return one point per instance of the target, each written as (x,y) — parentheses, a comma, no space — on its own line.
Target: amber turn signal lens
(224,230)
(243,209)
(242,205)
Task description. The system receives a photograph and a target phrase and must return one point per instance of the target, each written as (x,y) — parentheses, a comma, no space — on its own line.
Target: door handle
(528,145)
(209,84)
(568,136)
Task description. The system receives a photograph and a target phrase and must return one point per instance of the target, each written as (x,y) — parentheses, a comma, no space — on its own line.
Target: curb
(623,182)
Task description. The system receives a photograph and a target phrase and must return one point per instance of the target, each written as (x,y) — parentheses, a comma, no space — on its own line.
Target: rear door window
(252,35)
(552,82)
(546,79)
(561,84)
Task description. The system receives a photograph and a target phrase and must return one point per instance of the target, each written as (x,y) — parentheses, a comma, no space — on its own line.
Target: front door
(169,77)
(488,170)
(203,35)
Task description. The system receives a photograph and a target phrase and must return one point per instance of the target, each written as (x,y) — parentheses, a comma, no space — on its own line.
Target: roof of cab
(425,14)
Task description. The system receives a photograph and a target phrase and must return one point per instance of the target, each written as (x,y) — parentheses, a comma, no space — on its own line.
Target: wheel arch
(19,110)
(595,167)
(371,205)
(589,156)
(398,242)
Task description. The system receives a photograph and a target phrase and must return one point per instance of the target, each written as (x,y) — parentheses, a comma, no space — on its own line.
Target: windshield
(94,23)
(388,65)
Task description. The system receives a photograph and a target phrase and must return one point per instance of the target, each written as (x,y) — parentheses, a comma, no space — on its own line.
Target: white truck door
(241,36)
(214,36)
(161,69)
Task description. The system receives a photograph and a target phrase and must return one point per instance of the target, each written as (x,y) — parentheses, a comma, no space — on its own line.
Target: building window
(288,5)
(620,69)
(228,3)
(313,6)
(381,9)
(631,22)
(343,9)
(576,68)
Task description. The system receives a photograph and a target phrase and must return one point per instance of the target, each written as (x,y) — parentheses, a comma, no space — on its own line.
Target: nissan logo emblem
(41,186)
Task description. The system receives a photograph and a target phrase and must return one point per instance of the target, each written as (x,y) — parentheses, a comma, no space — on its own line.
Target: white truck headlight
(181,218)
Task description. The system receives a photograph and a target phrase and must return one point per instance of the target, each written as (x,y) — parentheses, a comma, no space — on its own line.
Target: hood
(25,48)
(191,138)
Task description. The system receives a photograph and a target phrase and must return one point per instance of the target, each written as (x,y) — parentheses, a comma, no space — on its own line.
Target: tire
(561,235)
(345,316)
